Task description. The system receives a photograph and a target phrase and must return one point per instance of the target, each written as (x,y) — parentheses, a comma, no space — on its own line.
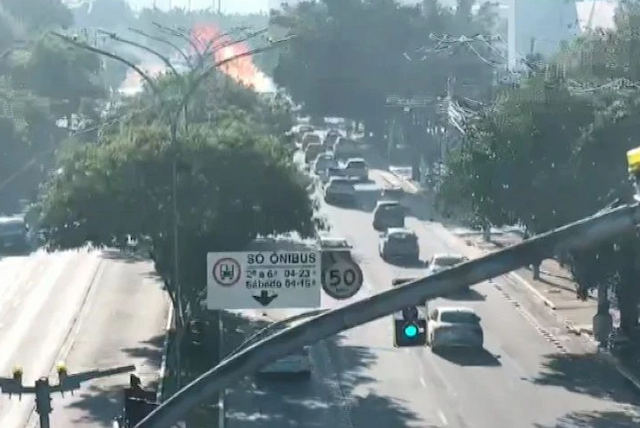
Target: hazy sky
(228,6)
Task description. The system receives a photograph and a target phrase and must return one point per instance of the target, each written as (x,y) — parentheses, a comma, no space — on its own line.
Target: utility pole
(43,388)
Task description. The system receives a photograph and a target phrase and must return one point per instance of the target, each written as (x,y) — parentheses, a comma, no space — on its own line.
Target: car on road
(312,151)
(321,166)
(392,193)
(345,148)
(388,214)
(442,261)
(297,364)
(310,138)
(355,168)
(336,246)
(339,190)
(399,243)
(330,139)
(454,327)
(14,234)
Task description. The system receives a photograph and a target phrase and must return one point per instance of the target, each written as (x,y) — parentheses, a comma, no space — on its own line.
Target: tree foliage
(42,82)
(234,182)
(553,150)
(349,55)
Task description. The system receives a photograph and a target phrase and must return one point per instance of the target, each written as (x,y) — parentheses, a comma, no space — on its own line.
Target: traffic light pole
(42,388)
(581,234)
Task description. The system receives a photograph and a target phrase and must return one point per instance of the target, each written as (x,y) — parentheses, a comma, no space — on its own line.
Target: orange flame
(242,69)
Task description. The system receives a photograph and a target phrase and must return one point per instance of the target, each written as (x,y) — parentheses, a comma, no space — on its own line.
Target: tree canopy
(234,182)
(552,150)
(43,91)
(350,55)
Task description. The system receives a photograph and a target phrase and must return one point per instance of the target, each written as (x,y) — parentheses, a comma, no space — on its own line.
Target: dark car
(14,234)
(388,214)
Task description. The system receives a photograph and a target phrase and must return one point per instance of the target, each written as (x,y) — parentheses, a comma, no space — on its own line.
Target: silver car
(339,190)
(454,327)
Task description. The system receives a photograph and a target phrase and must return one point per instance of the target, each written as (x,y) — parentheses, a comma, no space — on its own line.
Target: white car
(356,168)
(339,190)
(297,364)
(335,244)
(442,261)
(454,327)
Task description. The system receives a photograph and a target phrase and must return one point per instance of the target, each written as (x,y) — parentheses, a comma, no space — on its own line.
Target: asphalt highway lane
(502,387)
(532,374)
(83,308)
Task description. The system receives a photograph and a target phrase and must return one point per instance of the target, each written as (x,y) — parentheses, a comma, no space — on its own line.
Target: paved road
(87,309)
(532,374)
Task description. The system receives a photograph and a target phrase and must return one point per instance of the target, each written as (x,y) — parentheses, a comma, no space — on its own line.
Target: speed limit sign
(342,279)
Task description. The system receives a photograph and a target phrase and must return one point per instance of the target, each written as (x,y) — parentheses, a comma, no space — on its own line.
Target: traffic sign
(342,279)
(263,279)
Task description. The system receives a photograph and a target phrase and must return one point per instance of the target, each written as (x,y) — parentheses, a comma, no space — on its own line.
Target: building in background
(542,26)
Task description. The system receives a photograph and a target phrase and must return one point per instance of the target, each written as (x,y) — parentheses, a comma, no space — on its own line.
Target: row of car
(334,161)
(447,326)
(338,168)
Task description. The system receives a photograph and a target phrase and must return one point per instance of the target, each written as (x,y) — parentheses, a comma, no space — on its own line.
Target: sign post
(342,279)
(263,279)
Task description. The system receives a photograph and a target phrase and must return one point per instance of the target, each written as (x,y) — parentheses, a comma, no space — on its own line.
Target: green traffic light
(411,331)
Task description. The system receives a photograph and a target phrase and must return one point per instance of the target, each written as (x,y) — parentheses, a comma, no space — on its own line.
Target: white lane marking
(442,417)
(69,322)
(422,382)
(36,301)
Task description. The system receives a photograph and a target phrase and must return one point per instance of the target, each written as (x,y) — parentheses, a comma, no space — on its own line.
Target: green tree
(64,75)
(234,184)
(341,63)
(40,14)
(517,160)
(552,151)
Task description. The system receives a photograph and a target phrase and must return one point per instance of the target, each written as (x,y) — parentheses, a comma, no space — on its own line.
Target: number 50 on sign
(342,279)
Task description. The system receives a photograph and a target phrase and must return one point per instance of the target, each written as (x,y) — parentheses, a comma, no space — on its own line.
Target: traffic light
(43,396)
(410,328)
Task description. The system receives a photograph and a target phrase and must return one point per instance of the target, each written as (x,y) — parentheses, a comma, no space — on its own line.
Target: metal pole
(583,233)
(44,421)
(176,260)
(221,396)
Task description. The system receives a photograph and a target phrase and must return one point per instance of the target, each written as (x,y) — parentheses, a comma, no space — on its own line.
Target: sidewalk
(555,289)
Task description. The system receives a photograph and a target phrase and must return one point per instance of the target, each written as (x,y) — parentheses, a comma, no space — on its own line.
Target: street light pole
(189,86)
(580,234)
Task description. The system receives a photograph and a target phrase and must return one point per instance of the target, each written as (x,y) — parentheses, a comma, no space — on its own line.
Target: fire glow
(242,69)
